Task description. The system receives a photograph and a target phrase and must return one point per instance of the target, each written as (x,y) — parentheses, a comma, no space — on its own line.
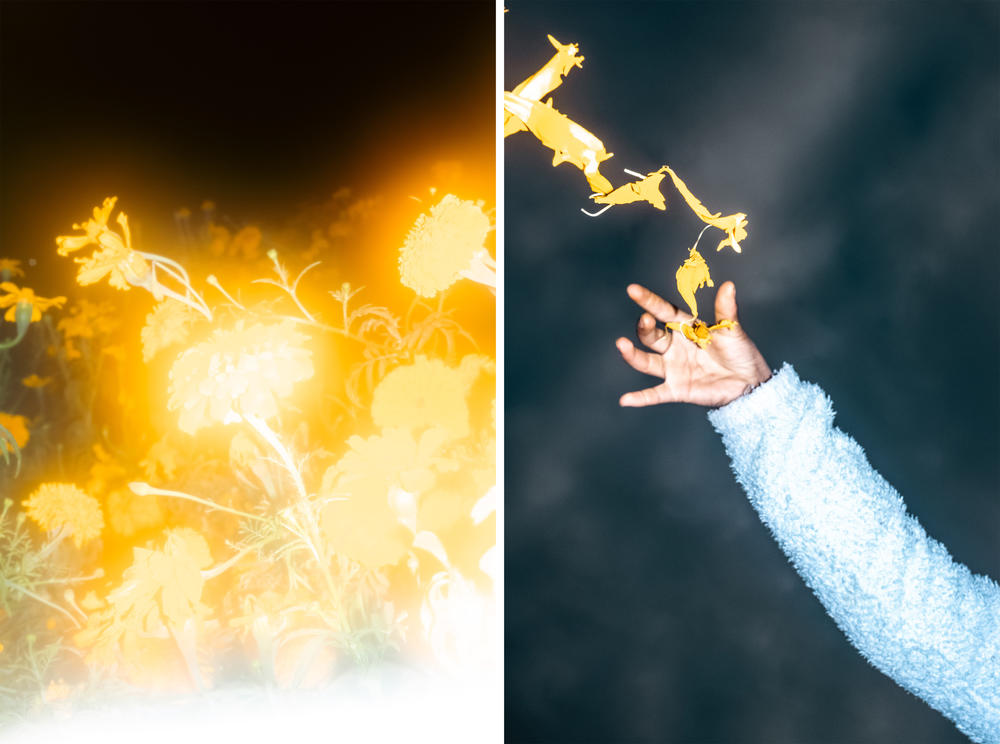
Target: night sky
(644,600)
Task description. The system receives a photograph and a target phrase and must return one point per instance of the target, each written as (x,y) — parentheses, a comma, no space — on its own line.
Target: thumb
(725,303)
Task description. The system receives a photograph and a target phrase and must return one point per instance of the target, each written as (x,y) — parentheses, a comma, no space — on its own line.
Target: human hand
(729,367)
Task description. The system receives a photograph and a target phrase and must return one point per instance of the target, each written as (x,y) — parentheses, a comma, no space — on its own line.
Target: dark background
(644,600)
(265,108)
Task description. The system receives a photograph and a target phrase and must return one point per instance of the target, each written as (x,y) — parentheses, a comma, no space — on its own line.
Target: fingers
(648,397)
(659,307)
(651,335)
(641,361)
(725,303)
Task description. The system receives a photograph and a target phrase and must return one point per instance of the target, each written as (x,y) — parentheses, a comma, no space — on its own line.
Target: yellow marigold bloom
(444,245)
(167,324)
(114,256)
(427,393)
(93,228)
(87,319)
(34,381)
(160,590)
(237,372)
(161,462)
(365,522)
(63,505)
(11,266)
(25,296)
(18,427)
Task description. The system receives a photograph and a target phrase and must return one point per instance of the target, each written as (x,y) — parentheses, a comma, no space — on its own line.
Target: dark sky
(644,600)
(261,107)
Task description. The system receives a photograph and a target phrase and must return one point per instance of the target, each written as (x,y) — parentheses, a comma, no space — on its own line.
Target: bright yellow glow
(245,370)
(168,324)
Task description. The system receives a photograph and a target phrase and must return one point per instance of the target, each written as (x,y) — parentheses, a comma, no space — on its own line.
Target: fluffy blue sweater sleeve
(913,612)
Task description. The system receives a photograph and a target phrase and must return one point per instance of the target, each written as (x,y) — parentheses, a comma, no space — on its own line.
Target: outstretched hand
(729,367)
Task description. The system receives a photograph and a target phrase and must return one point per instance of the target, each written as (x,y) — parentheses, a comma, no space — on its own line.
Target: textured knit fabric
(914,613)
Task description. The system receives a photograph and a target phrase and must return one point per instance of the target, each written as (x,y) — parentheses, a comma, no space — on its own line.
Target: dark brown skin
(729,367)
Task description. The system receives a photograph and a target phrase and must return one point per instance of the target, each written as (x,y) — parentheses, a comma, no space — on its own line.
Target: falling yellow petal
(544,81)
(734,225)
(645,189)
(692,276)
(700,332)
(570,142)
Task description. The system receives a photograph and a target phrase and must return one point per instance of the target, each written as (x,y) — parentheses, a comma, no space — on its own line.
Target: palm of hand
(730,366)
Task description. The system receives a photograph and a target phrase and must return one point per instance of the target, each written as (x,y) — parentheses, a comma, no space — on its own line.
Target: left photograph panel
(248,370)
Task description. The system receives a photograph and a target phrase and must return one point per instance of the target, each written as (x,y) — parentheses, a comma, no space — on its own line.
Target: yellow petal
(692,276)
(550,76)
(646,189)
(569,142)
(732,224)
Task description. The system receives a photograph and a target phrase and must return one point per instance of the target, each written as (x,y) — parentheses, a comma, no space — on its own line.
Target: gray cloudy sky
(645,601)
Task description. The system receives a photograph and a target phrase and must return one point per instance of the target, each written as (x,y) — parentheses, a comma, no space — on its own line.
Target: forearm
(914,613)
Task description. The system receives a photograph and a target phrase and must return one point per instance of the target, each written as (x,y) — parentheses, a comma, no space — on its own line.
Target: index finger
(658,307)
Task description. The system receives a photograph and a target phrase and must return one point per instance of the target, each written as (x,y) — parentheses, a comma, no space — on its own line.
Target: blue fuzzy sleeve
(914,613)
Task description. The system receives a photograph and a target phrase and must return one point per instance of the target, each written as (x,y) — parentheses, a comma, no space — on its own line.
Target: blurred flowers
(237,372)
(427,393)
(25,298)
(10,267)
(66,507)
(167,324)
(18,428)
(34,381)
(445,244)
(114,256)
(368,480)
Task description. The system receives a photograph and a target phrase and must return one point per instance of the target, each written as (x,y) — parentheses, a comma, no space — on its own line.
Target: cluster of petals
(443,245)
(65,506)
(237,372)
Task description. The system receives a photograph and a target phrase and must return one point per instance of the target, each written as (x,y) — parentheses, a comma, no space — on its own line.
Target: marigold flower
(167,324)
(10,267)
(64,505)
(114,257)
(444,245)
(734,225)
(365,523)
(34,381)
(245,370)
(18,428)
(25,296)
(427,393)
(161,589)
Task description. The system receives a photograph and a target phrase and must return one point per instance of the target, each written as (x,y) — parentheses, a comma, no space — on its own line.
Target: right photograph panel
(751,359)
